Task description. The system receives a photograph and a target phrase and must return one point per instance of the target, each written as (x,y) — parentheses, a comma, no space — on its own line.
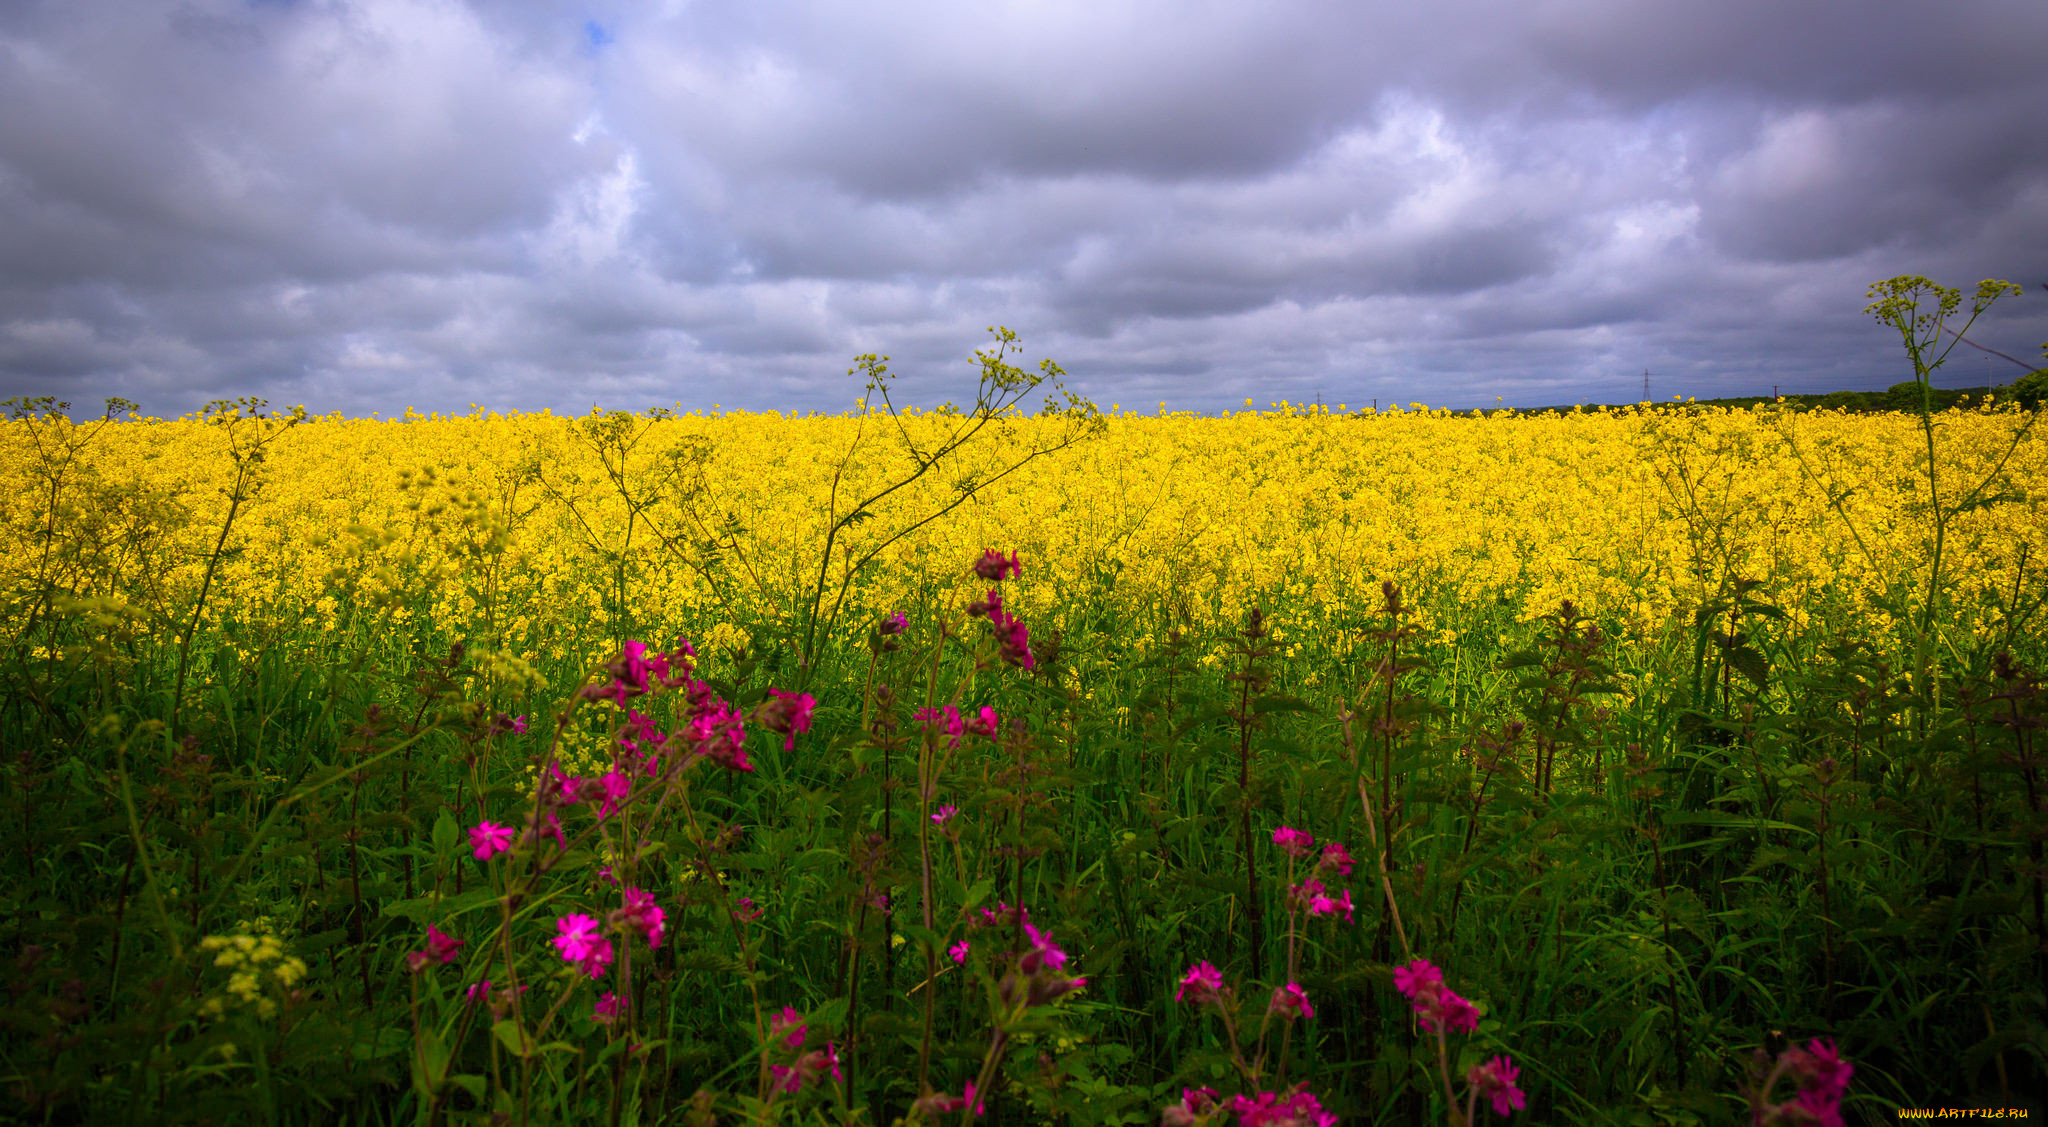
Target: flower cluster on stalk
(787,1032)
(1822,1077)
(1439,1007)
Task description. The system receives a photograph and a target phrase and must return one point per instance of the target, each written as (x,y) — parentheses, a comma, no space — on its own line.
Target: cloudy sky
(364,205)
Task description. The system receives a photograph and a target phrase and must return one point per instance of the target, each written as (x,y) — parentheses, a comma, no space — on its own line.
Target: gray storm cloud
(373,205)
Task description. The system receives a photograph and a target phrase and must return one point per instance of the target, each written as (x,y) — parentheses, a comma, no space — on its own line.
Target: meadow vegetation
(1666,765)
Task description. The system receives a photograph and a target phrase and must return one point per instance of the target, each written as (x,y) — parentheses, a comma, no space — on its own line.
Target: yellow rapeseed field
(533,529)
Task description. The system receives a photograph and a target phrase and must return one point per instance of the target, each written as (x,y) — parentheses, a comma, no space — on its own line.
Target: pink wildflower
(746,911)
(642,742)
(720,734)
(478,991)
(1202,984)
(568,789)
(519,725)
(809,1068)
(578,939)
(1290,1002)
(1335,856)
(789,1025)
(1039,969)
(598,958)
(894,624)
(959,952)
(992,566)
(1820,1066)
(490,839)
(1440,1008)
(788,713)
(983,723)
(1823,1078)
(441,948)
(1495,1080)
(1014,644)
(944,815)
(545,825)
(946,715)
(1193,1102)
(616,786)
(642,914)
(1270,1109)
(934,1103)
(609,1007)
(1044,952)
(1417,976)
(1293,841)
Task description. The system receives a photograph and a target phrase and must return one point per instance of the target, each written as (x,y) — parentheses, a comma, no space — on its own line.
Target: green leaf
(385,1042)
(430,1064)
(446,833)
(513,1038)
(1278,703)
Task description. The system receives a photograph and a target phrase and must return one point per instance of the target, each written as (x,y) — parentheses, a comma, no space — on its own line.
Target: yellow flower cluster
(531,533)
(256,961)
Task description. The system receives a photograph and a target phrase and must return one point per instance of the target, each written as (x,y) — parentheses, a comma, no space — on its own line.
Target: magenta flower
(983,723)
(640,735)
(944,815)
(490,839)
(1495,1080)
(1820,1066)
(519,725)
(578,937)
(478,991)
(719,733)
(1336,857)
(598,958)
(1013,640)
(1417,976)
(1014,644)
(746,911)
(609,1007)
(1823,1078)
(441,948)
(946,715)
(809,1068)
(1203,983)
(788,713)
(934,1103)
(1038,969)
(642,914)
(545,825)
(1193,1102)
(789,1025)
(1293,841)
(1044,952)
(959,952)
(992,566)
(616,786)
(1290,1002)
(1271,1109)
(893,625)
(1441,1008)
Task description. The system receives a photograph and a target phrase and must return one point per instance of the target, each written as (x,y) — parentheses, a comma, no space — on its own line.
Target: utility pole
(1646,385)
